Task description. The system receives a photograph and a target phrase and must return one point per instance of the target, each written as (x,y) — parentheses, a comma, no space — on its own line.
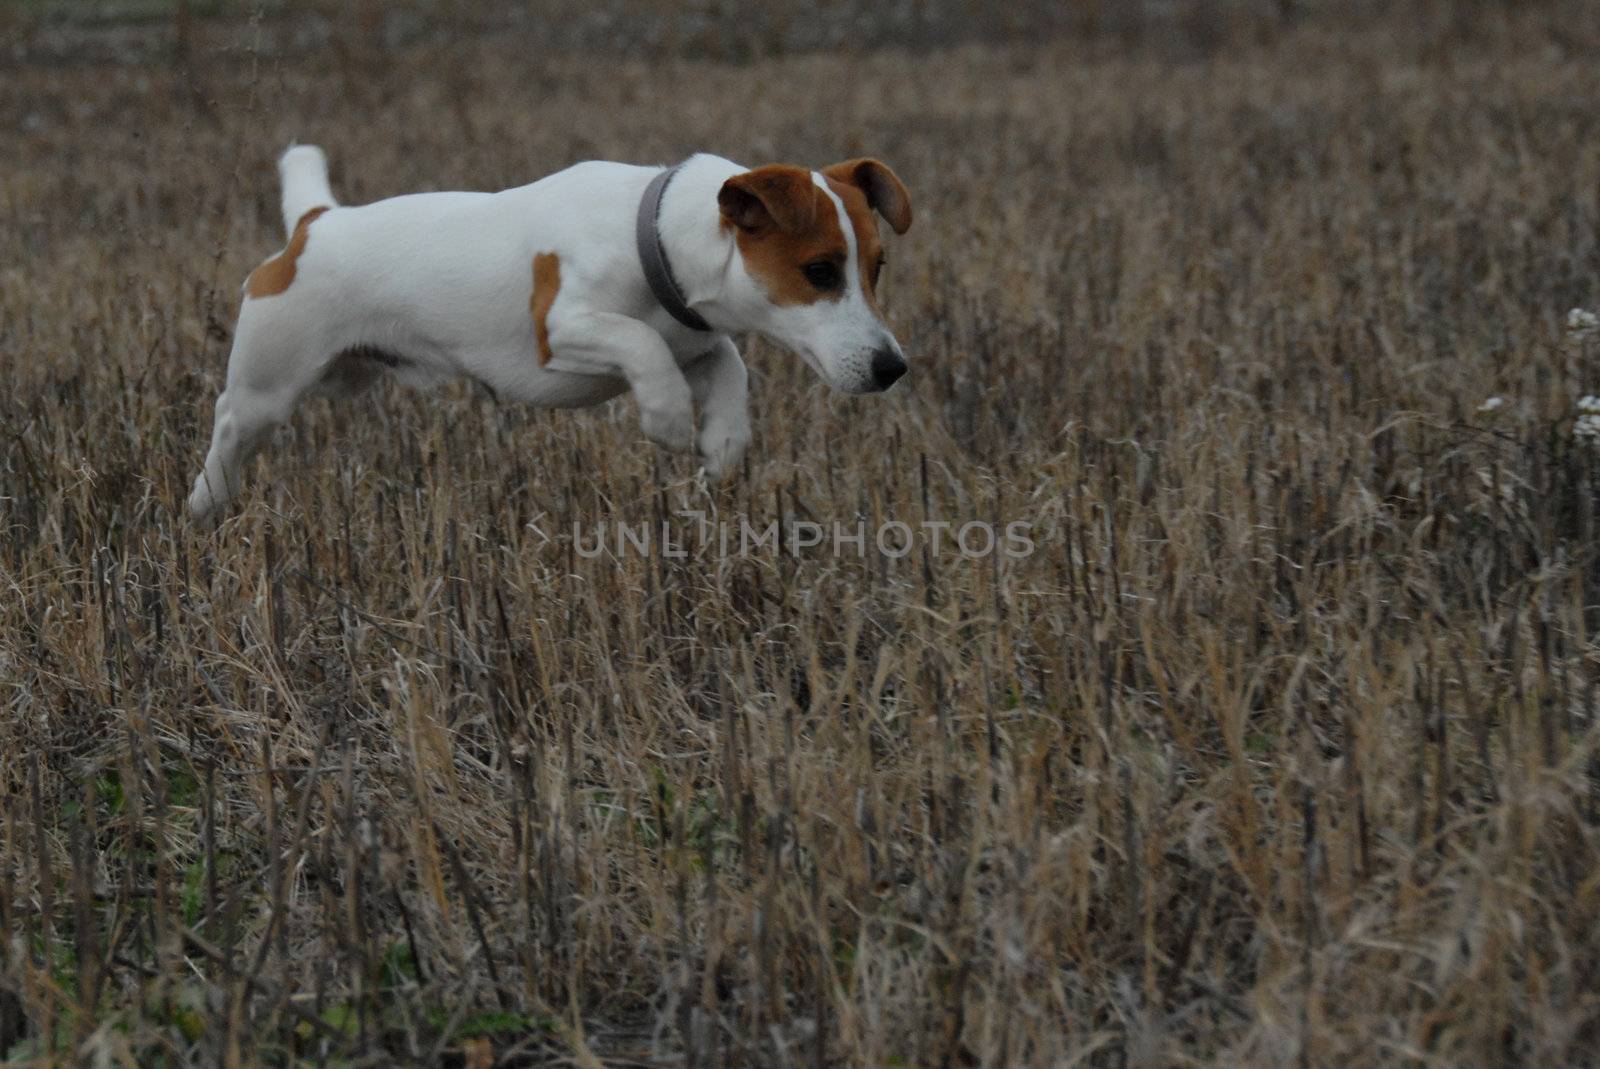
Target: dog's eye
(824,274)
(877,270)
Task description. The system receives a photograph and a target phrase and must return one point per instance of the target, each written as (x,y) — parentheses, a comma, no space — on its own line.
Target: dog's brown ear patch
(883,188)
(778,194)
(274,276)
(546,282)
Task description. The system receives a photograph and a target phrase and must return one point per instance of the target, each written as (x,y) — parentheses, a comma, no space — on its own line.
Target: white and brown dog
(600,278)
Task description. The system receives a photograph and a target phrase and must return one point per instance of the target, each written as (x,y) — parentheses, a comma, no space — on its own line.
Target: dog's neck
(697,244)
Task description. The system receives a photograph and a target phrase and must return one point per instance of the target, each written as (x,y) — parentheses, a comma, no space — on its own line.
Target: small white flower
(1587,427)
(1582,322)
(1493,404)
(1589,403)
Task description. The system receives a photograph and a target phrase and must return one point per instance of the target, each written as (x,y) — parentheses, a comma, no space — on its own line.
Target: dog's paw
(203,506)
(722,446)
(670,426)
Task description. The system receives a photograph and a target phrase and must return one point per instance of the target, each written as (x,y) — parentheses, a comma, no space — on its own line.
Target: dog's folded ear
(776,194)
(884,190)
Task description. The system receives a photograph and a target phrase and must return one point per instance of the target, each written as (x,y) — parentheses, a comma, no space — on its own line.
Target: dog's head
(809,264)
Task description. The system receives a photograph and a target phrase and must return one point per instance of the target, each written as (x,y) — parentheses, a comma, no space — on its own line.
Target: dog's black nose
(887,367)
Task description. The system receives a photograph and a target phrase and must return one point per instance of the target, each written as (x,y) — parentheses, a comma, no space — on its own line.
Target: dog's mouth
(823,372)
(862,374)
(883,369)
(813,363)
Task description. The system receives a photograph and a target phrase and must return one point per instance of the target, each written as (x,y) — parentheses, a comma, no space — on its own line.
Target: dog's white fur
(438,284)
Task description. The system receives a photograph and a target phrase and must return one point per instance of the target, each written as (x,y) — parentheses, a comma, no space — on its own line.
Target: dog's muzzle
(887,367)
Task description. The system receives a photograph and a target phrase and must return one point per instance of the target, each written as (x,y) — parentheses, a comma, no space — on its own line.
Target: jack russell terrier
(601,278)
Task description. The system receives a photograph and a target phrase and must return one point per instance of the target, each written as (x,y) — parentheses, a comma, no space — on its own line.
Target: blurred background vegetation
(742,30)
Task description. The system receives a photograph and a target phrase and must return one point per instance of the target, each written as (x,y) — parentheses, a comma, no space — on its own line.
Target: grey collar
(653,258)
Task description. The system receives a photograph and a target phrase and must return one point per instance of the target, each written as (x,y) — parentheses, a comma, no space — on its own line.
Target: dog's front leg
(719,381)
(618,345)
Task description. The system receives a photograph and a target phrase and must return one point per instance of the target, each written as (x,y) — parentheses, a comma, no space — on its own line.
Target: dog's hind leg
(268,374)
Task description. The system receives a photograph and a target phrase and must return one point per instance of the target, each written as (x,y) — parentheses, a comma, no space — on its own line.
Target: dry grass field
(1280,748)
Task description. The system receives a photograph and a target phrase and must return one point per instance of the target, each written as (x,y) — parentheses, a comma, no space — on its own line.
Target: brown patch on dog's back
(546,282)
(274,276)
(774,253)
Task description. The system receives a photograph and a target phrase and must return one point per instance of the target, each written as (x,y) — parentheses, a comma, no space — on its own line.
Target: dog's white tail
(304,172)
